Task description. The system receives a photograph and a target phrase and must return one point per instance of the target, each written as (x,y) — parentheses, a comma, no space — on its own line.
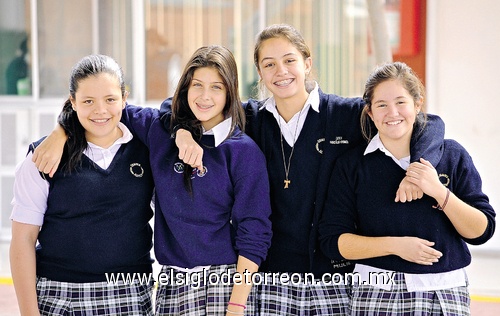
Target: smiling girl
(71,231)
(209,221)
(420,246)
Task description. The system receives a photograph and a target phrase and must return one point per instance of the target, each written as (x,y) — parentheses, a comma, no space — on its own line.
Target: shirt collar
(376,143)
(126,137)
(220,131)
(312,100)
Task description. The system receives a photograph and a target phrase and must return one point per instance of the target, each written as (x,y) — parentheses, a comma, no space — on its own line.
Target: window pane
(14,48)
(66,33)
(115,35)
(64,36)
(175,29)
(335,31)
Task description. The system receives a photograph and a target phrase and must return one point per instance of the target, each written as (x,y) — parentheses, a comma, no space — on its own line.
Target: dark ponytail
(76,143)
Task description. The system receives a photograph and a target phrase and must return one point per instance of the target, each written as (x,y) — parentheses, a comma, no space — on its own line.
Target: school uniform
(94,223)
(361,201)
(204,232)
(324,120)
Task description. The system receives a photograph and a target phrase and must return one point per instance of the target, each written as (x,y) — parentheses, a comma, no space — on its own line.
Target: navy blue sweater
(97,221)
(228,213)
(361,201)
(325,135)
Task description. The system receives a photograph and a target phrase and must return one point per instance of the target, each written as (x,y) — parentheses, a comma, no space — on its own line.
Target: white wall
(463,83)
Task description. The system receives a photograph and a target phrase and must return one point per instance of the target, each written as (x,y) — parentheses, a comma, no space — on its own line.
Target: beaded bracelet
(445,201)
(234,313)
(236,304)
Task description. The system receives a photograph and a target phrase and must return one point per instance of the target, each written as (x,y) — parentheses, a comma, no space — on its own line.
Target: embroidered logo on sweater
(136,169)
(179,168)
(338,141)
(340,264)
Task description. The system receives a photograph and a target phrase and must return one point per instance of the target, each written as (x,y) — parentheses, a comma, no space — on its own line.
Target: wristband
(439,207)
(176,128)
(236,304)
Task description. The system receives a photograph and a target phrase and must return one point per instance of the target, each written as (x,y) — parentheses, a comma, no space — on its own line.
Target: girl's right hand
(189,151)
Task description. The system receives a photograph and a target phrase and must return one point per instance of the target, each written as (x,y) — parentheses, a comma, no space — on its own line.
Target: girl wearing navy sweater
(91,219)
(301,131)
(211,220)
(418,250)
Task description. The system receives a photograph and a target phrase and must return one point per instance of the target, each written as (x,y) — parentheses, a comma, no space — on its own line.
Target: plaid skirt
(95,298)
(370,300)
(198,293)
(300,296)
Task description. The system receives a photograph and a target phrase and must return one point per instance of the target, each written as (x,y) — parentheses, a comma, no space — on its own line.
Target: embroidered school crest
(179,168)
(318,148)
(337,141)
(136,169)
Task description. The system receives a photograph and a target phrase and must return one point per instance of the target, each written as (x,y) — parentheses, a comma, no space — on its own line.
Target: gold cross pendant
(287,182)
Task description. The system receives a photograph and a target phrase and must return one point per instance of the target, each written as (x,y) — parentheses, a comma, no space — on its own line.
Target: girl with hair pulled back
(421,247)
(92,65)
(76,232)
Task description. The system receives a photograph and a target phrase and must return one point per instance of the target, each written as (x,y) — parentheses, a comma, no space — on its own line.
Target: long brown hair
(222,60)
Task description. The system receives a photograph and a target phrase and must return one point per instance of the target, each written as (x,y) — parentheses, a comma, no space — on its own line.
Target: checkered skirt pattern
(204,296)
(96,298)
(301,298)
(370,300)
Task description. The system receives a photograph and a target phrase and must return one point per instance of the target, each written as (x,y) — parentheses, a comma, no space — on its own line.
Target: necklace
(285,165)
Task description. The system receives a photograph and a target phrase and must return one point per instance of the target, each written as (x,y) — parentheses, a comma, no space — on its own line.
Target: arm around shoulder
(47,155)
(427,140)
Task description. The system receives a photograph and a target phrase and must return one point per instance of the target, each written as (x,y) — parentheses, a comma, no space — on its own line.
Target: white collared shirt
(291,129)
(220,131)
(414,282)
(376,143)
(103,156)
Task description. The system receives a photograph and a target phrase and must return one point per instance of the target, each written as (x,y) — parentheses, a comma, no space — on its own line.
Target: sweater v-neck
(109,169)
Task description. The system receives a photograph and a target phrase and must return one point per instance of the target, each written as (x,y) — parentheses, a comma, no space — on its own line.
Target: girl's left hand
(425,176)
